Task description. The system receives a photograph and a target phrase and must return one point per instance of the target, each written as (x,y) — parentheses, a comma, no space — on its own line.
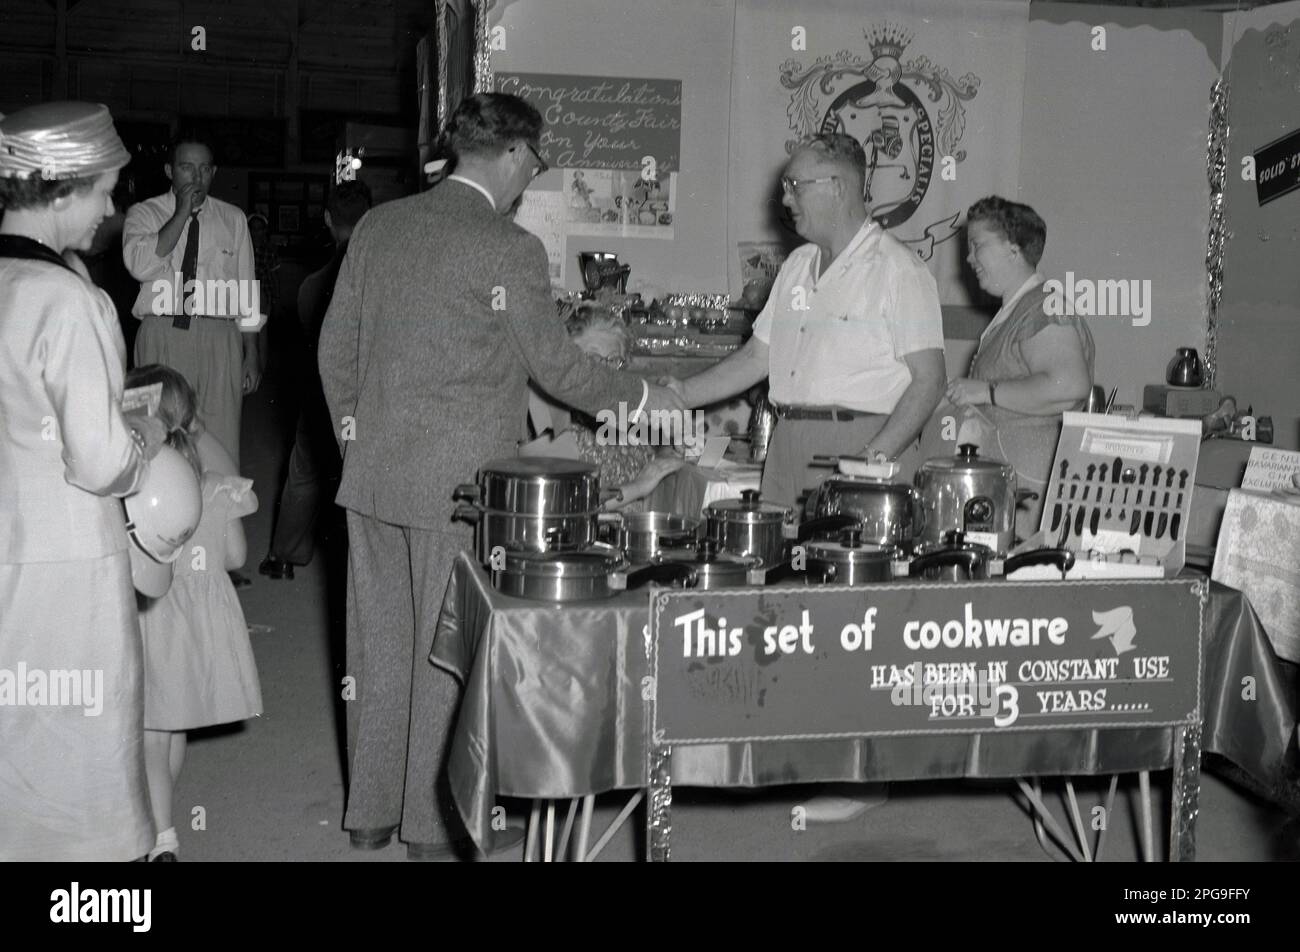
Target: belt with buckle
(833,414)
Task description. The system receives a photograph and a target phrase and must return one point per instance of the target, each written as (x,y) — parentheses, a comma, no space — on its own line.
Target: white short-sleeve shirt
(839,339)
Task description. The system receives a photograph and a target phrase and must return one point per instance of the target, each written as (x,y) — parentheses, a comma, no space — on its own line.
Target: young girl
(199,667)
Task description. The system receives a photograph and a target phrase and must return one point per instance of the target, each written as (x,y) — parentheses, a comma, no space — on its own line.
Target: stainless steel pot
(535,486)
(968,494)
(954,560)
(749,526)
(887,513)
(849,560)
(595,572)
(510,531)
(714,568)
(643,535)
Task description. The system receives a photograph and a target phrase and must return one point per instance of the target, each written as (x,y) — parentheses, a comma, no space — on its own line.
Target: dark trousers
(401,719)
(313,467)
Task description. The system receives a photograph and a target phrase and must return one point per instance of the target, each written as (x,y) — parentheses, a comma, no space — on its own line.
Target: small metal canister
(761,424)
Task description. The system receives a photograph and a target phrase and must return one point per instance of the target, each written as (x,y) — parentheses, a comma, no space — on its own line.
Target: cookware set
(542,531)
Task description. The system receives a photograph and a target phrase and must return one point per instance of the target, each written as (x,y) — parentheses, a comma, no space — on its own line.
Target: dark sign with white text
(1277,168)
(924,658)
(604,122)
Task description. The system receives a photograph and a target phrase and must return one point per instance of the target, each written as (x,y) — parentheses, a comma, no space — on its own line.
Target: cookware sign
(924,658)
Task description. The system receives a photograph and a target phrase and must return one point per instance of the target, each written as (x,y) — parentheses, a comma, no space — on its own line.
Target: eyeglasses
(617,361)
(542,164)
(793,185)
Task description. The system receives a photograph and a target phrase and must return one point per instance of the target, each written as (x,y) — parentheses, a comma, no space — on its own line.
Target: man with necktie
(198,304)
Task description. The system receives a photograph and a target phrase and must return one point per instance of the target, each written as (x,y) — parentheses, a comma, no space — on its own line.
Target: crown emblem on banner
(888,40)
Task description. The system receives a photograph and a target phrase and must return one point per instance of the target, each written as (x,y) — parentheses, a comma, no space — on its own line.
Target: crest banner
(933,89)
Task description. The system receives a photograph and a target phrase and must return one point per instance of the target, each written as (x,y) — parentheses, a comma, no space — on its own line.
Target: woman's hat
(60,140)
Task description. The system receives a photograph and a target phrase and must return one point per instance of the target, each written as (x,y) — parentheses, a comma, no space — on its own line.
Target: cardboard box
(1179,401)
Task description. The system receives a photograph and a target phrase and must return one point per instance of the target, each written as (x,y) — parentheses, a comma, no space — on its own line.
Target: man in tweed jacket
(441,314)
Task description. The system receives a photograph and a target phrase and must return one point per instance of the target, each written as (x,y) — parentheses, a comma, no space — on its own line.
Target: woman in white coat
(72,780)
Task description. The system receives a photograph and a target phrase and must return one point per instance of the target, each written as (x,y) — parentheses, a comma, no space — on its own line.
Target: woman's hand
(967,391)
(150,433)
(644,483)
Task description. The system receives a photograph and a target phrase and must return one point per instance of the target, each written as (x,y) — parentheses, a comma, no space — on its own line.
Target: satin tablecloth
(552,709)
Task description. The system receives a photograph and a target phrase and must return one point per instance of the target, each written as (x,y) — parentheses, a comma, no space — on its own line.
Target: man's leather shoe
(167,857)
(239,580)
(373,839)
(276,568)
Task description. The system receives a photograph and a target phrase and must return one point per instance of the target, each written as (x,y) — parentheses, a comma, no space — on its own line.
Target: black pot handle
(779,572)
(467,513)
(679,574)
(1063,559)
(937,560)
(810,528)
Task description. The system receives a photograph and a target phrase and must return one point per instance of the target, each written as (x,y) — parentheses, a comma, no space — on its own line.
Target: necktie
(189,272)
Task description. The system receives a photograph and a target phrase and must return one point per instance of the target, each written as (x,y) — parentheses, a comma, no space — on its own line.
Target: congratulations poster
(932,89)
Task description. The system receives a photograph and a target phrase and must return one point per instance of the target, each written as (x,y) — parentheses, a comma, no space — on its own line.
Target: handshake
(666,393)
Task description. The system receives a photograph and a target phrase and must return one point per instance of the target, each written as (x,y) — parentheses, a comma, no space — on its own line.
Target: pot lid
(748,509)
(846,483)
(967,461)
(708,557)
(954,540)
(850,549)
(532,466)
(593,561)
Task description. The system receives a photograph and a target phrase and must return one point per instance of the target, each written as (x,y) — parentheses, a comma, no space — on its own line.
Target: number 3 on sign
(1012,709)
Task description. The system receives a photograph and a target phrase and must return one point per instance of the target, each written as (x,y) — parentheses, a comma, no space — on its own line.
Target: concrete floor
(272,789)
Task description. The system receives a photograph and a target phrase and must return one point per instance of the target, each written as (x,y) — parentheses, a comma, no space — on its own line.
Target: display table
(553,709)
(1259,553)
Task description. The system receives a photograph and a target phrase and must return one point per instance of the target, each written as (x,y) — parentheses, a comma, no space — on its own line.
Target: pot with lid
(955,560)
(969,494)
(887,513)
(714,568)
(643,535)
(749,526)
(849,560)
(570,575)
(531,503)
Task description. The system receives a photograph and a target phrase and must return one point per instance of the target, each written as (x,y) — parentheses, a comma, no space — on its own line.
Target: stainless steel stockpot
(595,572)
(887,513)
(643,535)
(749,526)
(969,494)
(849,560)
(510,530)
(535,486)
(714,568)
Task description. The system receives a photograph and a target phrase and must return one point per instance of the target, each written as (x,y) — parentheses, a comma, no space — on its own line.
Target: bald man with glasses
(851,342)
(851,338)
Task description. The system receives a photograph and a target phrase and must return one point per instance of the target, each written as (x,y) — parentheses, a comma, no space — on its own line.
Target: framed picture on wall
(288,219)
(293,203)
